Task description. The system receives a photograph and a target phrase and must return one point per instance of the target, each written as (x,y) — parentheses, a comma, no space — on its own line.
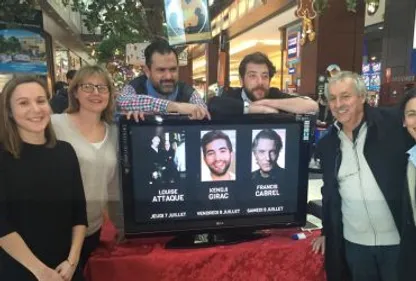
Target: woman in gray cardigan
(86,126)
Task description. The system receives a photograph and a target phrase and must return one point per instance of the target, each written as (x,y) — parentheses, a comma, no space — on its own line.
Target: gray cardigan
(98,167)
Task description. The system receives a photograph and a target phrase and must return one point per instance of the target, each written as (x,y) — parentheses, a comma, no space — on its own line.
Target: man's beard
(226,167)
(161,91)
(251,96)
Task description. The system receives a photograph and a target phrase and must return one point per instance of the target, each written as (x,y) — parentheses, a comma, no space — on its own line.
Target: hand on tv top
(195,111)
(136,115)
(199,113)
(318,245)
(255,108)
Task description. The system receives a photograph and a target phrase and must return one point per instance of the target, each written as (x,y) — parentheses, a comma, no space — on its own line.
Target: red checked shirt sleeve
(196,99)
(129,100)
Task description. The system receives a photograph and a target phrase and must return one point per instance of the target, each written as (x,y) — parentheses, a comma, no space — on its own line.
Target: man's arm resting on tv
(299,105)
(231,106)
(130,101)
(195,111)
(196,108)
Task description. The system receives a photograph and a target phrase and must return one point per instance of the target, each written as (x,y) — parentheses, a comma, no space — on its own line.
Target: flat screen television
(232,176)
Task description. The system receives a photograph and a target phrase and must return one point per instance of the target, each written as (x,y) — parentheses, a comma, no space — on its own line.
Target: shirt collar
(338,125)
(412,155)
(356,130)
(153,93)
(245,97)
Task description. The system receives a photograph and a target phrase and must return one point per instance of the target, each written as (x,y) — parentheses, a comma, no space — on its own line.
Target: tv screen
(181,175)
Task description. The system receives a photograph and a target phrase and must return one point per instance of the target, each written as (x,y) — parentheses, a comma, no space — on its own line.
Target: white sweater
(366,217)
(98,167)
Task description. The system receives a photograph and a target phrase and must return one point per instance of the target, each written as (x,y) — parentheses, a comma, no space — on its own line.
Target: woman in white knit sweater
(86,126)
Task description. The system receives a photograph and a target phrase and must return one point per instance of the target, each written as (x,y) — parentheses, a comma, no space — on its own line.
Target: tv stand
(184,241)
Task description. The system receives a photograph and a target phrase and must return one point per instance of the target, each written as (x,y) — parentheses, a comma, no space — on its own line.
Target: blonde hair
(80,76)
(9,134)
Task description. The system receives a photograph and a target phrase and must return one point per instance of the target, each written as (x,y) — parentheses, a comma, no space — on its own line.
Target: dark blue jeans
(372,263)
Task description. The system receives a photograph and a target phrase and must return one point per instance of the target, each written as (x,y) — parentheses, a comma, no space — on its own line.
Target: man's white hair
(357,80)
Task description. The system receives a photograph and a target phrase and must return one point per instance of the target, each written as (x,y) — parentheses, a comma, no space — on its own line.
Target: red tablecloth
(277,257)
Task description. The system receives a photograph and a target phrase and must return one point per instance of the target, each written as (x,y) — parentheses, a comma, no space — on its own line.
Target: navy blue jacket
(231,102)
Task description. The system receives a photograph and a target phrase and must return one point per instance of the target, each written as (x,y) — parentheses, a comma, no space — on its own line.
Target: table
(276,257)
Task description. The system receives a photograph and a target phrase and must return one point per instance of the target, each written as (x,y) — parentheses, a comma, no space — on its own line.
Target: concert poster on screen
(215,172)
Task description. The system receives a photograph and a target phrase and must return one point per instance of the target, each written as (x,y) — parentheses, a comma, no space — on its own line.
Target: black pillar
(399,25)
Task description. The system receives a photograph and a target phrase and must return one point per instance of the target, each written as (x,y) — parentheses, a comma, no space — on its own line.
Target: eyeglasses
(89,88)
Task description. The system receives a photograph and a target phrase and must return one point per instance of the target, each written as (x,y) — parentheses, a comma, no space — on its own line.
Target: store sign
(291,89)
(293,48)
(404,78)
(22,51)
(32,20)
(187,21)
(183,58)
(293,44)
(135,55)
(376,66)
(366,68)
(371,74)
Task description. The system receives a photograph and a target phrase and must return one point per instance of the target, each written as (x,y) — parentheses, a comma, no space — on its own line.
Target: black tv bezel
(210,225)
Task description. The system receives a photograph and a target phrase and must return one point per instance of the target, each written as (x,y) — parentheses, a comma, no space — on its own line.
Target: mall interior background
(382,48)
